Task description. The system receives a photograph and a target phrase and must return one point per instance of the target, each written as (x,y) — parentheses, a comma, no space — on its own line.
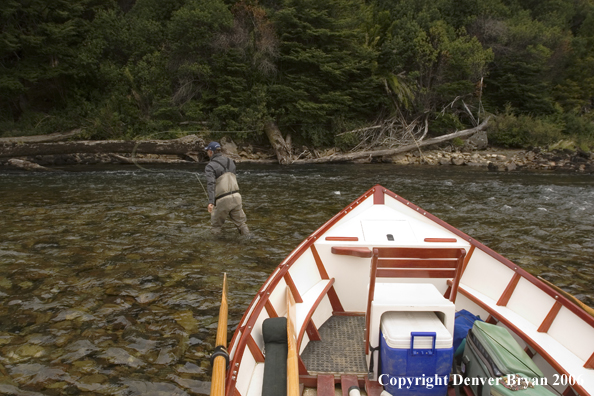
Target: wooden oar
(570,296)
(219,367)
(292,353)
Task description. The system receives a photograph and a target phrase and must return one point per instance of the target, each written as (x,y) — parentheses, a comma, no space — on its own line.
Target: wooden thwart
(325,385)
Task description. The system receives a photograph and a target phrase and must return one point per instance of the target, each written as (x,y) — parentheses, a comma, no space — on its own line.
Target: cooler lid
(397,328)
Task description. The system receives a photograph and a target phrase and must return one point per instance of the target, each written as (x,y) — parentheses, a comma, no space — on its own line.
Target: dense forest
(129,69)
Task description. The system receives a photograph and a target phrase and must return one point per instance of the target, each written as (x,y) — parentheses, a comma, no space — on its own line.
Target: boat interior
(383,264)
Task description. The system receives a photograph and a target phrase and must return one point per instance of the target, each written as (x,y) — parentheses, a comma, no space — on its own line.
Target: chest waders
(226,184)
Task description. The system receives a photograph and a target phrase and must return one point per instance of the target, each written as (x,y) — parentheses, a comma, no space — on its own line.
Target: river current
(110,281)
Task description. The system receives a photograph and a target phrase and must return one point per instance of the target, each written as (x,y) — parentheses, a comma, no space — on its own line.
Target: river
(110,281)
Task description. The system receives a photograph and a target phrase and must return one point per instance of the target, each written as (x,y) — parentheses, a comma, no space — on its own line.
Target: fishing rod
(139,166)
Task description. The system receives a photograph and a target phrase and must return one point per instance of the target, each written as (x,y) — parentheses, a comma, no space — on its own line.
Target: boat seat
(305,310)
(543,343)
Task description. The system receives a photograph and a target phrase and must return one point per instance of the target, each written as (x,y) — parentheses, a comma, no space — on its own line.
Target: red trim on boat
(270,309)
(569,392)
(350,313)
(346,381)
(370,296)
(509,290)
(325,385)
(378,195)
(312,331)
(440,240)
(255,350)
(351,251)
(335,302)
(321,268)
(293,288)
(529,352)
(310,381)
(590,363)
(373,388)
(466,260)
(491,320)
(302,368)
(546,323)
(346,239)
(414,273)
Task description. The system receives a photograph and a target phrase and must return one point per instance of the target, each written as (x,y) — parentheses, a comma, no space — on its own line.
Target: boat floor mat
(341,350)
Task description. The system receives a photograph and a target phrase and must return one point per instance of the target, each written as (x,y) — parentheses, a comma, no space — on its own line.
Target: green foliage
(524,131)
(315,67)
(458,142)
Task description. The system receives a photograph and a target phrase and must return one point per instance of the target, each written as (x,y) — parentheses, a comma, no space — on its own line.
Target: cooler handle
(414,334)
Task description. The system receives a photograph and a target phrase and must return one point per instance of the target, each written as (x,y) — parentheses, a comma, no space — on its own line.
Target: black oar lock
(219,350)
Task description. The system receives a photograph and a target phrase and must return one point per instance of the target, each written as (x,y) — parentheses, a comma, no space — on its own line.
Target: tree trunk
(283,153)
(190,144)
(402,149)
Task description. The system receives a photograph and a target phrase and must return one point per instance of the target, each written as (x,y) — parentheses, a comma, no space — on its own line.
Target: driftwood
(134,160)
(52,137)
(280,146)
(190,144)
(29,166)
(392,151)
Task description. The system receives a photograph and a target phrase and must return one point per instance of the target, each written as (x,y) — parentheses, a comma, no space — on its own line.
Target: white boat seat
(304,310)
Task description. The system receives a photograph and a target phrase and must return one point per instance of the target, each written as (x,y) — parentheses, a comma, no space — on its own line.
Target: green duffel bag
(492,353)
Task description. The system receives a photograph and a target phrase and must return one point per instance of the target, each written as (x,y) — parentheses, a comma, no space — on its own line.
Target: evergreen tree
(325,71)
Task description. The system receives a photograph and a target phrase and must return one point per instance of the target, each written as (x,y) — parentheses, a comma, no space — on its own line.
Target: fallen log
(28,166)
(190,144)
(402,149)
(144,161)
(52,137)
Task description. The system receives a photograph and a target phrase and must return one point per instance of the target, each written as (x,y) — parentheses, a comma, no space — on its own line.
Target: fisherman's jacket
(220,178)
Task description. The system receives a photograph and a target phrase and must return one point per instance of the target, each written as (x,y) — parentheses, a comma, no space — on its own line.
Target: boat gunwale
(378,196)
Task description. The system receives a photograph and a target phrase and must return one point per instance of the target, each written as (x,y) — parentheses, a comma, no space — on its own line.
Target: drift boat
(374,301)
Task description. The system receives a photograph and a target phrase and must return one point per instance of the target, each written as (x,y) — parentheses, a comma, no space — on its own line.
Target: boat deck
(341,350)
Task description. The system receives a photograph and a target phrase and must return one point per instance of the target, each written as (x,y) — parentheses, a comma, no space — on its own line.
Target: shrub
(523,131)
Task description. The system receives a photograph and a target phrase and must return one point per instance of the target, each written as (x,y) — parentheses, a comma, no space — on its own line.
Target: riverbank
(500,160)
(490,158)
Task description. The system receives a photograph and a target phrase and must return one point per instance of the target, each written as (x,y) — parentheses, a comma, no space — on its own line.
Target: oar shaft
(219,369)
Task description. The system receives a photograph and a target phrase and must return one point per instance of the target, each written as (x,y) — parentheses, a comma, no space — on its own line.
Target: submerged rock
(186,320)
(121,356)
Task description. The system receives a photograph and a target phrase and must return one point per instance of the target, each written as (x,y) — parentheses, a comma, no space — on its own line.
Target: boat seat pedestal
(417,297)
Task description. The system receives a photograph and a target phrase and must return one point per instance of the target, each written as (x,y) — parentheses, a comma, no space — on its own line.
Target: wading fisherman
(223,192)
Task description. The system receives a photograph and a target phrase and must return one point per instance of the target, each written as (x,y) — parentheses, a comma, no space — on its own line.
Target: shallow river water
(110,281)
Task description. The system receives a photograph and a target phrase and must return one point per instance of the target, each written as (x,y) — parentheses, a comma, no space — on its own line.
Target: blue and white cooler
(416,353)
